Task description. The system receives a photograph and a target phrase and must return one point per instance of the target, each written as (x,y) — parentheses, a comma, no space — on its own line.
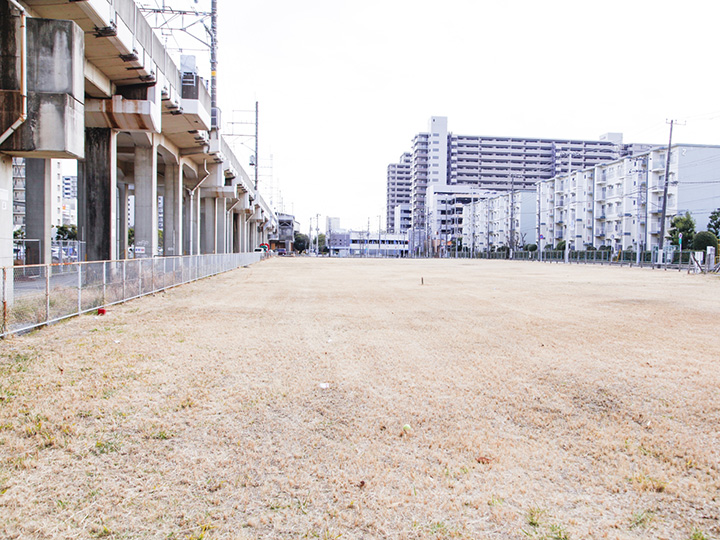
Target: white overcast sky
(343,85)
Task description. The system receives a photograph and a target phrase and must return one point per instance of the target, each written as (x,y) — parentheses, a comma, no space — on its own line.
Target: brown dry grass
(316,398)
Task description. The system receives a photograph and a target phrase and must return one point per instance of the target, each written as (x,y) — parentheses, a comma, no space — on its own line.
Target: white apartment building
(399,182)
(402,218)
(444,213)
(619,204)
(496,163)
(501,219)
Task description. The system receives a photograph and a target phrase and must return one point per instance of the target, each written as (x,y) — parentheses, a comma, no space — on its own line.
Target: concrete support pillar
(6,225)
(173,209)
(97,186)
(146,194)
(236,232)
(38,210)
(220,224)
(242,232)
(209,225)
(123,194)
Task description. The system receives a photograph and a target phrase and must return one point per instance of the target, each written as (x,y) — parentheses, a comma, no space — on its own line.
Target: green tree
(66,232)
(704,239)
(131,236)
(714,223)
(685,225)
(301,242)
(560,245)
(531,247)
(19,233)
(321,242)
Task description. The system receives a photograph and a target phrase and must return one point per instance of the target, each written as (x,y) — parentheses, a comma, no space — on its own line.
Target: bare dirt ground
(316,398)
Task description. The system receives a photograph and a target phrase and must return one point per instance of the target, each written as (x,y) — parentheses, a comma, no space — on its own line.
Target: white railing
(38,295)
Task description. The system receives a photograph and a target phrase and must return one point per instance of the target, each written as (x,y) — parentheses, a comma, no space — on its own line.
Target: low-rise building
(619,204)
(343,243)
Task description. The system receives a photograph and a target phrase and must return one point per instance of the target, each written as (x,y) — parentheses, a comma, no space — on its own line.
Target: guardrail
(37,295)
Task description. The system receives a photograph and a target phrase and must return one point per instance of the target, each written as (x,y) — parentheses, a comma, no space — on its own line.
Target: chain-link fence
(37,295)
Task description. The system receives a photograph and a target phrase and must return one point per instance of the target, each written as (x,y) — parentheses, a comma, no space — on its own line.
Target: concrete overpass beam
(146,203)
(97,194)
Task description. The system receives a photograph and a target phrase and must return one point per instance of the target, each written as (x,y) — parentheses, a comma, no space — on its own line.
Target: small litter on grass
(116,341)
(406,430)
(101,311)
(324,385)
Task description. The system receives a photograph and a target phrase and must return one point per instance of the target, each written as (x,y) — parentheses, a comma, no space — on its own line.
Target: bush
(531,247)
(704,239)
(605,248)
(560,246)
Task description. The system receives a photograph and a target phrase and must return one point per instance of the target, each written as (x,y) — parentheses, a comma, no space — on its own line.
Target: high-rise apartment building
(497,163)
(399,182)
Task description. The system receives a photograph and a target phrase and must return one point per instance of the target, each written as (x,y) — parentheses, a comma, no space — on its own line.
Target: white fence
(37,295)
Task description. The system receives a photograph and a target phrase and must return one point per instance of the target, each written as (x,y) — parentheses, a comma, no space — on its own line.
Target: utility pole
(257,156)
(317,233)
(379,234)
(472,215)
(512,215)
(487,228)
(539,213)
(567,213)
(213,63)
(665,193)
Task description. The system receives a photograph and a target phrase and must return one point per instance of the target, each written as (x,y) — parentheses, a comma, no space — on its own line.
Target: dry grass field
(408,399)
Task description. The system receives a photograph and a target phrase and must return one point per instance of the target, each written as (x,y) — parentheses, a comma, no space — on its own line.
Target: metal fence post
(104,297)
(4,300)
(124,294)
(140,277)
(47,292)
(79,287)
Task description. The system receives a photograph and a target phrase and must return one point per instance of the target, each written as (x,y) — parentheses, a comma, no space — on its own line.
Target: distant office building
(367,244)
(18,165)
(399,183)
(332,224)
(20,193)
(619,204)
(69,200)
(439,157)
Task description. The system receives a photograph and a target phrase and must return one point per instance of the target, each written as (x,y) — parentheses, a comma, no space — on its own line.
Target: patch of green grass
(496,501)
(162,435)
(648,483)
(534,516)
(697,534)
(106,446)
(558,532)
(641,519)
